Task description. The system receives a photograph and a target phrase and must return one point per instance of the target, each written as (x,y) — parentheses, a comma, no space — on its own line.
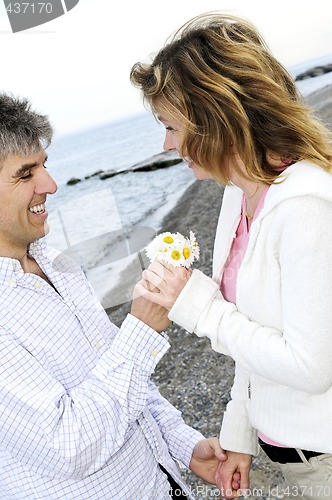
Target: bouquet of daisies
(174,248)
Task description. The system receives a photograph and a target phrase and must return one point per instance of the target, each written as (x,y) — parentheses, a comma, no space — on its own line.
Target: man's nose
(45,183)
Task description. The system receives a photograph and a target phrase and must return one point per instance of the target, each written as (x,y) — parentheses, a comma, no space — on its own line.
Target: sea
(106,224)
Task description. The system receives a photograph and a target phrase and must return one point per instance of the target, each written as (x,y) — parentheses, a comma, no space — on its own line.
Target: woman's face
(173,135)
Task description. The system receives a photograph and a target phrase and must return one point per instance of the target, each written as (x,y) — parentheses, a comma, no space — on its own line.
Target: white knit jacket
(280,331)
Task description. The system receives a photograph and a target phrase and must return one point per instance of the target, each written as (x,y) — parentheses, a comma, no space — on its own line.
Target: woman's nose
(169,143)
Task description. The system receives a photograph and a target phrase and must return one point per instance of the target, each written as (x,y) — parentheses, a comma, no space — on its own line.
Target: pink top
(239,247)
(229,278)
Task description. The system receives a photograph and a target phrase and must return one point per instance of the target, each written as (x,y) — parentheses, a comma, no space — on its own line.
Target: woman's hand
(167,282)
(232,476)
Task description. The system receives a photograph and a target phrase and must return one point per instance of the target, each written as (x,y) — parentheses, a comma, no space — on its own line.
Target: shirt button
(98,345)
(11,282)
(154,352)
(38,284)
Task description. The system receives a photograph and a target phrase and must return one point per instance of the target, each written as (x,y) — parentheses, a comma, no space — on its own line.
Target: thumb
(219,452)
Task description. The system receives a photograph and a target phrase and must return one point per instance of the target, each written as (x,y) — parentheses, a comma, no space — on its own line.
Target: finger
(219,453)
(145,284)
(141,291)
(218,478)
(153,278)
(244,479)
(148,286)
(164,269)
(224,478)
(236,481)
(166,265)
(235,484)
(179,271)
(236,476)
(161,268)
(229,491)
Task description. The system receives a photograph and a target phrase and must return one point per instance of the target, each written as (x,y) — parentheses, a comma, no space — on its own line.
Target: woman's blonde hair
(217,76)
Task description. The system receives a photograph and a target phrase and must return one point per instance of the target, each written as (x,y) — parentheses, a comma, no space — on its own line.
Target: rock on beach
(161,160)
(191,375)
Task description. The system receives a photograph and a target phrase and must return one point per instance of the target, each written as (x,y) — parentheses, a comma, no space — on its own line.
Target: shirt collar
(11,269)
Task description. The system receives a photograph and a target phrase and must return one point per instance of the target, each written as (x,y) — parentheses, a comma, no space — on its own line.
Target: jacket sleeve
(71,434)
(297,355)
(237,434)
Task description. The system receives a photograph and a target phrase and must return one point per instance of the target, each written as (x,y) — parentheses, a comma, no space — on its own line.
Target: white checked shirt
(80,418)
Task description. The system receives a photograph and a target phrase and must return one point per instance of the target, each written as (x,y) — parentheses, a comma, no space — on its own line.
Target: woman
(232,110)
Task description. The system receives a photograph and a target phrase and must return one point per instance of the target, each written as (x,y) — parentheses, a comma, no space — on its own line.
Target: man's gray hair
(22,131)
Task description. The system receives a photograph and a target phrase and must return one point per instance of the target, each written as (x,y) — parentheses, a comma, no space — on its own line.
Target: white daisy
(173,248)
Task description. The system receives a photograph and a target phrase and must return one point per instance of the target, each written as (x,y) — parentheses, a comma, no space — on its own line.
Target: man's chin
(46,229)
(41,233)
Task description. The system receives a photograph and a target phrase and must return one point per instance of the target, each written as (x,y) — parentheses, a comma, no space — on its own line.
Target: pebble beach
(191,375)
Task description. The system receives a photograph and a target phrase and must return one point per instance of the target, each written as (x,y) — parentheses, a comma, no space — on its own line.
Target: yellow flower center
(168,239)
(176,255)
(186,253)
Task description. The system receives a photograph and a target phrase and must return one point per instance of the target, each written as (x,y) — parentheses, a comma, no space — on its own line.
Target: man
(80,418)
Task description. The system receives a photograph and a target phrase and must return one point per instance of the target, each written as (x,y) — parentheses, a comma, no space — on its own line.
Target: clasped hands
(162,283)
(156,292)
(229,471)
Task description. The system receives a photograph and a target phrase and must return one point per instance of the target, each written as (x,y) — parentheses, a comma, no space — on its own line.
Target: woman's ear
(273,158)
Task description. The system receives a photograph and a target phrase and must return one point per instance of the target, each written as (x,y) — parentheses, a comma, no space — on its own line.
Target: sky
(76,67)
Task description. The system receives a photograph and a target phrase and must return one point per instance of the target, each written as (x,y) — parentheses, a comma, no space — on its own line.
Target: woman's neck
(252,198)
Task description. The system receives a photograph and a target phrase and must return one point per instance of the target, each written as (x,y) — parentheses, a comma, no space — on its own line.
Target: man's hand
(152,314)
(206,457)
(232,476)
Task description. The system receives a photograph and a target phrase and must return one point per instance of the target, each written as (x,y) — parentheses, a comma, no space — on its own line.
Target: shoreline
(193,377)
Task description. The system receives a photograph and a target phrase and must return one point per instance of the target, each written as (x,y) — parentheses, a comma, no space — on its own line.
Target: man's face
(24,185)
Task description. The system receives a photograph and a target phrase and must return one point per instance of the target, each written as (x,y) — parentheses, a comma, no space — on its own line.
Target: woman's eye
(170,129)
(26,175)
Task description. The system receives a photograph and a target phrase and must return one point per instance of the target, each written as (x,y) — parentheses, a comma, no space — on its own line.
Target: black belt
(285,455)
(175,491)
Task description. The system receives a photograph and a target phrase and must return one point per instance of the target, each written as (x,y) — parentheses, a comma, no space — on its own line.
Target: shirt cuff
(139,343)
(184,442)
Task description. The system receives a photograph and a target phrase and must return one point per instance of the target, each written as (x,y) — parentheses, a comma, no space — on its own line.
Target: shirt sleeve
(180,438)
(71,434)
